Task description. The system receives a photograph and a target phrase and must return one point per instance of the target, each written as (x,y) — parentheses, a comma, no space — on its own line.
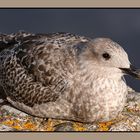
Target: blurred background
(121,25)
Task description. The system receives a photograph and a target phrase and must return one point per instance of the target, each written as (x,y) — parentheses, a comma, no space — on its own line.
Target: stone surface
(64,127)
(6,128)
(11,119)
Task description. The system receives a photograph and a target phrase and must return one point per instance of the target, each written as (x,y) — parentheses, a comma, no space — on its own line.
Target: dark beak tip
(132,71)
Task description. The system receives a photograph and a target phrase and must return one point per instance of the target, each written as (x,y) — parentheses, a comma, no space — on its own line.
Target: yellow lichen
(29,126)
(78,127)
(18,127)
(8,122)
(12,123)
(50,125)
(105,126)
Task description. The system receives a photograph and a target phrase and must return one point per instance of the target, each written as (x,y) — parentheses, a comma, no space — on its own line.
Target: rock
(6,128)
(91,127)
(130,123)
(121,127)
(68,126)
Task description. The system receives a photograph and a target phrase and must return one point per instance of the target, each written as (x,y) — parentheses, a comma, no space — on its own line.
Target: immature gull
(64,76)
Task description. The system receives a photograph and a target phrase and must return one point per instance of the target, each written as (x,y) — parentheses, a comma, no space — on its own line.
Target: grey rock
(130,123)
(91,127)
(6,128)
(67,126)
(121,127)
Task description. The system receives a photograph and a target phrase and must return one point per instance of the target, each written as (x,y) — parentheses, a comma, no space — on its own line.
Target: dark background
(121,25)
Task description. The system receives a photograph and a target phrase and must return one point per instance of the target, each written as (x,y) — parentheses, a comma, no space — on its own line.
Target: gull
(64,76)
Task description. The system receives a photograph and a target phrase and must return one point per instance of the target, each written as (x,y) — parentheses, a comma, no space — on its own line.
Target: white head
(105,54)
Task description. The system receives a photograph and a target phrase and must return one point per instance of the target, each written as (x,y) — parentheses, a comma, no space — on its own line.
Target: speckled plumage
(63,76)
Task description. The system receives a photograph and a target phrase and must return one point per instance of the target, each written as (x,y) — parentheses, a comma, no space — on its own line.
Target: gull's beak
(132,71)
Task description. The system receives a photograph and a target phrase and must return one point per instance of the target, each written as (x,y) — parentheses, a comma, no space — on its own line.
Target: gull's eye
(106,56)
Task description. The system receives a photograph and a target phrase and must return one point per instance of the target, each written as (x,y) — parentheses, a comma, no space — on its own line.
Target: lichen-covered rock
(68,126)
(11,119)
(6,128)
(130,123)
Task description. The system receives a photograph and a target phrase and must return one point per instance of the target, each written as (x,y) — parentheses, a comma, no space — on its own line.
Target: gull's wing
(35,67)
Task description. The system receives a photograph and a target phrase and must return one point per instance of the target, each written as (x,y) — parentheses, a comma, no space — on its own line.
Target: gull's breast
(102,101)
(110,97)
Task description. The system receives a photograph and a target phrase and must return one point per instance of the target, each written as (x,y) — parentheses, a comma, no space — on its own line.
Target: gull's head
(107,54)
